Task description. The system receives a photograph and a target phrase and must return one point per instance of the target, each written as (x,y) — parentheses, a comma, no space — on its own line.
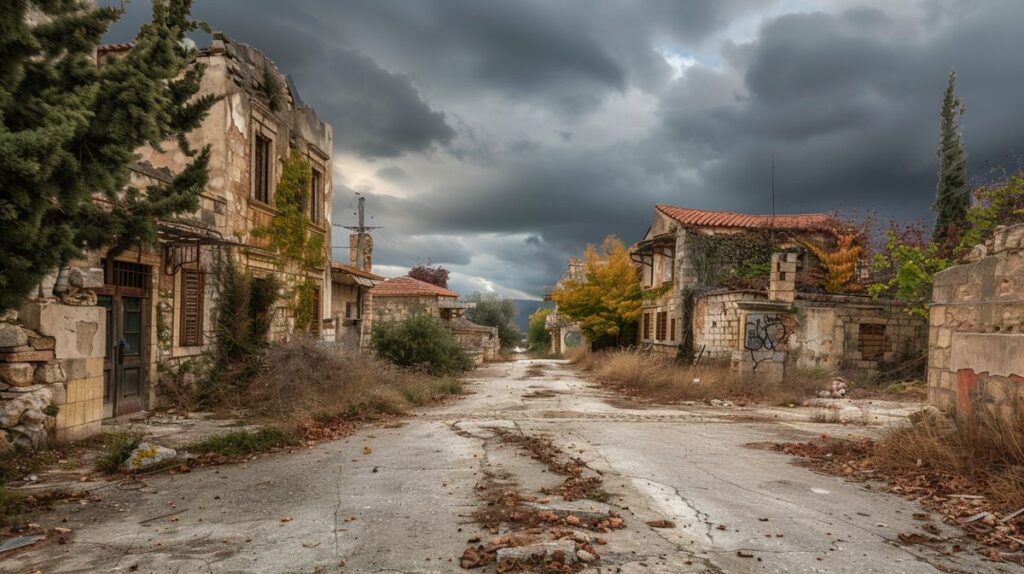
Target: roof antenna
(773,189)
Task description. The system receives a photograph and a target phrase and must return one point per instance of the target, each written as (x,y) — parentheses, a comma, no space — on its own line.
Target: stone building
(976,335)
(404,297)
(565,333)
(156,301)
(350,292)
(785,323)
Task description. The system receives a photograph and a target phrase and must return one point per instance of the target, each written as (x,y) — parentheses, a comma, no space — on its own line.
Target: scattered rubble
(836,389)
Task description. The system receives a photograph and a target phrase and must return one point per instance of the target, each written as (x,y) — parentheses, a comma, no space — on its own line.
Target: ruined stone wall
(717,327)
(480,343)
(51,373)
(976,335)
(830,332)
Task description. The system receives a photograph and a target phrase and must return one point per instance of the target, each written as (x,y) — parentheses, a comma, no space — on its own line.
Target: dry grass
(983,448)
(661,378)
(312,381)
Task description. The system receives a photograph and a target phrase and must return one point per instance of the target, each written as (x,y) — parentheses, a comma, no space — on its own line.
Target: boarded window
(872,343)
(261,169)
(662,326)
(647,326)
(191,308)
(315,196)
(350,310)
(672,330)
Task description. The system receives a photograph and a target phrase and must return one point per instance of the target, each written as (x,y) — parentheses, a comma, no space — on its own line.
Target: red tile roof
(354,271)
(705,218)
(409,287)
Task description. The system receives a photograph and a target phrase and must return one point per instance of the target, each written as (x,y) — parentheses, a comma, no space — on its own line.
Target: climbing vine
(298,249)
(732,259)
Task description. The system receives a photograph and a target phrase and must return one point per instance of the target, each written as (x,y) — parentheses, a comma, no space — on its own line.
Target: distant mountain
(525,308)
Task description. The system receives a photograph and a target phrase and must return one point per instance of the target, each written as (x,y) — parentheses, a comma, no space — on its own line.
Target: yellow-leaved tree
(839,264)
(605,299)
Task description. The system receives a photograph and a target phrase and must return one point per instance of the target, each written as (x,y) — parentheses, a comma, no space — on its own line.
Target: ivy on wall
(298,249)
(740,259)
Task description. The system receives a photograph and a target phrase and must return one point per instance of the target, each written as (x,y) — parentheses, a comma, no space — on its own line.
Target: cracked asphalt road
(405,507)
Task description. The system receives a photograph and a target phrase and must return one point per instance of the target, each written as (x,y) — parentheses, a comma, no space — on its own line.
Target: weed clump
(242,442)
(116,447)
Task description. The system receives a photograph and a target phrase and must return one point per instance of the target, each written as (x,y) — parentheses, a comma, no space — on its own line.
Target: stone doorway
(125,296)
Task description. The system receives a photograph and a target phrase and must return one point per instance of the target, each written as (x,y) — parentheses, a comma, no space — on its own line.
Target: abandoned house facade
(404,297)
(154,304)
(763,312)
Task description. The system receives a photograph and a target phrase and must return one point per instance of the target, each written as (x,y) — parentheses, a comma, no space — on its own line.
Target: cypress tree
(951,195)
(69,128)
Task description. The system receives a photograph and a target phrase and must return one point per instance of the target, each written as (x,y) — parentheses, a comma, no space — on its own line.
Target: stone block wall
(51,373)
(976,325)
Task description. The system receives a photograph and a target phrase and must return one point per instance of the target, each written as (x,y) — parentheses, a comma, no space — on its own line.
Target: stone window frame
(263,127)
(319,164)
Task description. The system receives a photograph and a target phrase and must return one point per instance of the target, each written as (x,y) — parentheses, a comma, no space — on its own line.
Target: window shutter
(191,308)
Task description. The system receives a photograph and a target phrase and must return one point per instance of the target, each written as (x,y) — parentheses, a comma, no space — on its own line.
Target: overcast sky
(497,138)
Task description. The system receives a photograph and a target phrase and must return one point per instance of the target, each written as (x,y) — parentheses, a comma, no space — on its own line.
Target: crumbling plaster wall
(976,335)
(236,72)
(824,330)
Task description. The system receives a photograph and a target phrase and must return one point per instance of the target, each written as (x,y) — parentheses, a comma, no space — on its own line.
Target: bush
(538,336)
(422,343)
(313,381)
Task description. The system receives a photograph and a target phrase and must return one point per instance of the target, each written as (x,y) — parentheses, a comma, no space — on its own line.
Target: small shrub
(12,504)
(422,343)
(242,442)
(116,447)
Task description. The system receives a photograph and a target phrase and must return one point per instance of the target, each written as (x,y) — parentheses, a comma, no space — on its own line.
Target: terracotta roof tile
(409,287)
(354,271)
(703,217)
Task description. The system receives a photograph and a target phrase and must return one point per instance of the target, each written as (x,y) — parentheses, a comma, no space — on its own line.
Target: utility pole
(360,231)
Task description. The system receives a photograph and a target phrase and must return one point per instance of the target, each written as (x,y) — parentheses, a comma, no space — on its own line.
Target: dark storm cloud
(847,105)
(374,112)
(511,128)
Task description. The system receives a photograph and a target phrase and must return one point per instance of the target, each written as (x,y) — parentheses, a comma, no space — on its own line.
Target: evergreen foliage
(951,196)
(68,130)
(913,269)
(493,310)
(421,342)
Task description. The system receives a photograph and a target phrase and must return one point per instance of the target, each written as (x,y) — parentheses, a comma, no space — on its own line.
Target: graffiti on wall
(763,337)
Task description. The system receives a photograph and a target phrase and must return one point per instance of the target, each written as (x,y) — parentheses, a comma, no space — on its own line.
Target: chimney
(360,251)
(782,282)
(367,258)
